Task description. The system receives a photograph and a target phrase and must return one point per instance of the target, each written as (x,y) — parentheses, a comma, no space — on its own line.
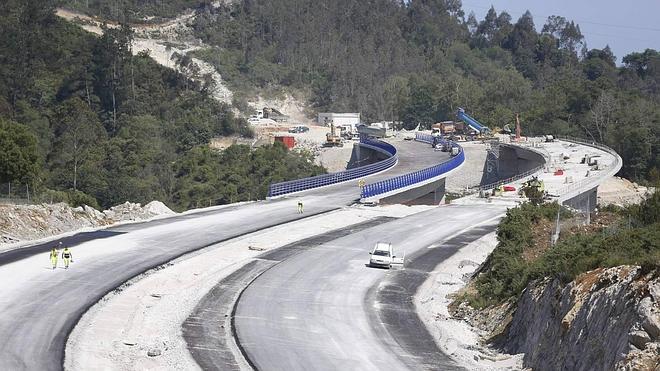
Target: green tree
(78,134)
(19,159)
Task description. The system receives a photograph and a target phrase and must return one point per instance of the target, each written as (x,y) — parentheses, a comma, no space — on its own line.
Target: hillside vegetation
(116,126)
(630,237)
(418,61)
(84,120)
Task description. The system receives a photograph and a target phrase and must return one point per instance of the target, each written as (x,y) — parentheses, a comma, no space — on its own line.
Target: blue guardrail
(418,176)
(278,189)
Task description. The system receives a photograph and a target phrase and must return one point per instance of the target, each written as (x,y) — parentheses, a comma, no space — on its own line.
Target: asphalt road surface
(392,309)
(207,330)
(412,156)
(39,306)
(319,315)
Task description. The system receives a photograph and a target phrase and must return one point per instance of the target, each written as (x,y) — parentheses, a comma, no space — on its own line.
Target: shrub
(506,274)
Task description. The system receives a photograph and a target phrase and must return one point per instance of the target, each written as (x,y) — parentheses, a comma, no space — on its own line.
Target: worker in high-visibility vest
(67,257)
(361,183)
(53,256)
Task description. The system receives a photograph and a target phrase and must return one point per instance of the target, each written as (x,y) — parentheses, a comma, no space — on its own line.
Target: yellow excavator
(332,139)
(534,190)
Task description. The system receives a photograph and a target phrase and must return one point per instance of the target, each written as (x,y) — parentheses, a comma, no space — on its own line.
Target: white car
(382,255)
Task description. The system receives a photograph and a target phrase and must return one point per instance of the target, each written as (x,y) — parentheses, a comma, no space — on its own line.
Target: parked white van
(382,255)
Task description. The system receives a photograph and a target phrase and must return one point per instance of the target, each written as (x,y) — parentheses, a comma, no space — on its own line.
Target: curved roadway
(39,307)
(317,317)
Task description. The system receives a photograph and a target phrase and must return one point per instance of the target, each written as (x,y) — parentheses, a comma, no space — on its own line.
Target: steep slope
(605,319)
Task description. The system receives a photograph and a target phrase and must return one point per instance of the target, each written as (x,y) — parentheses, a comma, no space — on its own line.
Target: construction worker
(67,257)
(361,183)
(300,207)
(53,255)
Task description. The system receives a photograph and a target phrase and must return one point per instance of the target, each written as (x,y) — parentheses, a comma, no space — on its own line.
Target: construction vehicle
(533,189)
(472,123)
(332,139)
(371,131)
(444,127)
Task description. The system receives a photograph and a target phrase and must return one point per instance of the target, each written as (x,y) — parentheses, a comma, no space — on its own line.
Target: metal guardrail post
(418,176)
(278,189)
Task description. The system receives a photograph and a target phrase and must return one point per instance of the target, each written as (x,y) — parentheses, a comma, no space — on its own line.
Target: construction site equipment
(533,184)
(444,127)
(332,139)
(372,131)
(273,114)
(471,122)
(287,140)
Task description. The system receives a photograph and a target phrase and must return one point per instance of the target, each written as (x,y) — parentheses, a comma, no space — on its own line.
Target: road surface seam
(210,310)
(161,265)
(392,309)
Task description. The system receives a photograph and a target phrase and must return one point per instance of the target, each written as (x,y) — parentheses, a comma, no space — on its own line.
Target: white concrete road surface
(318,314)
(39,306)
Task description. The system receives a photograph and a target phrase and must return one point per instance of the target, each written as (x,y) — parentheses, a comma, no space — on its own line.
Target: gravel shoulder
(456,338)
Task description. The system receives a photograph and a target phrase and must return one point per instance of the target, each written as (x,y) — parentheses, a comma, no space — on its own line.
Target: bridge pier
(585,201)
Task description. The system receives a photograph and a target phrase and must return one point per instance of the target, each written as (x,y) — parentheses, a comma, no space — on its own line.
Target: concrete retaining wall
(517,160)
(363,155)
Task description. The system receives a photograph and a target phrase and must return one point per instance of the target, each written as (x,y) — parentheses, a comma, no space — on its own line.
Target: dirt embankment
(621,192)
(20,223)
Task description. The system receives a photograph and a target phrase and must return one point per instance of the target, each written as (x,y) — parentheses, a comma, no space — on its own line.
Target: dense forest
(81,117)
(84,120)
(418,61)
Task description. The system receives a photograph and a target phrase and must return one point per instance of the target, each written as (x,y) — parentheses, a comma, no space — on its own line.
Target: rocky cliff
(605,319)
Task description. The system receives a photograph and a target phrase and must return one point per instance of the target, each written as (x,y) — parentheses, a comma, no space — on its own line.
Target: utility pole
(555,236)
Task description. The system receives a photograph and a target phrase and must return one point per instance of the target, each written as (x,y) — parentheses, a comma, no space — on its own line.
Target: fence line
(278,189)
(565,193)
(16,193)
(406,180)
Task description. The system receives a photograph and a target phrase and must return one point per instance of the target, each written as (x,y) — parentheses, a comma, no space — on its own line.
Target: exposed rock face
(606,319)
